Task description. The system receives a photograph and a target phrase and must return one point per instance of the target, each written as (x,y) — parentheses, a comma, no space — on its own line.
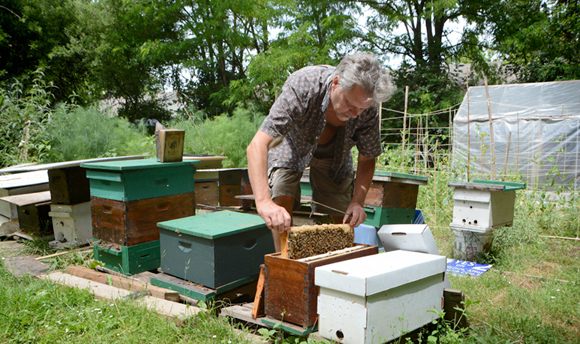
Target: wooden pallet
(233,292)
(243,312)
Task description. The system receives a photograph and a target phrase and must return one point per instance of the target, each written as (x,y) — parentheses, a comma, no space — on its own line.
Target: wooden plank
(27,199)
(168,308)
(241,312)
(64,164)
(187,288)
(453,306)
(258,308)
(11,181)
(99,290)
(124,282)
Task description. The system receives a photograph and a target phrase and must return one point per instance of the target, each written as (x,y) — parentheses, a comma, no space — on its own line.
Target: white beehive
(480,207)
(378,298)
(71,223)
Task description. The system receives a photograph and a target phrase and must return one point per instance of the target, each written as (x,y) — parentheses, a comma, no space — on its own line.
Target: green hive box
(129,180)
(214,249)
(377,216)
(128,260)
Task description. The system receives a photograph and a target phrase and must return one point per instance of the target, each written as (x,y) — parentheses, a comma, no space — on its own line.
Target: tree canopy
(218,54)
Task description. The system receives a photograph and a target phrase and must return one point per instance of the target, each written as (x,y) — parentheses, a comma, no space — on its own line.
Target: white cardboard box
(378,298)
(71,223)
(417,238)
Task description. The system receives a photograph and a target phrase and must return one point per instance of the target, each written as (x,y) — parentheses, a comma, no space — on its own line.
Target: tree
(536,40)
(313,32)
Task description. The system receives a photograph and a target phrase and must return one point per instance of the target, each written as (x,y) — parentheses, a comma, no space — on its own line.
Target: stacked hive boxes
(128,199)
(478,208)
(70,209)
(392,198)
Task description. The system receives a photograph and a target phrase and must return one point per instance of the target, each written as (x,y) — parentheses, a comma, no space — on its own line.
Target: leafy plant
(80,133)
(221,135)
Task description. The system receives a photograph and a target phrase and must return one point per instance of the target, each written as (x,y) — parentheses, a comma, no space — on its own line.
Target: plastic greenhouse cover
(536,133)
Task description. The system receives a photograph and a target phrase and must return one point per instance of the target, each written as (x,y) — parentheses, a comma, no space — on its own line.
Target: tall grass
(24,113)
(222,135)
(81,133)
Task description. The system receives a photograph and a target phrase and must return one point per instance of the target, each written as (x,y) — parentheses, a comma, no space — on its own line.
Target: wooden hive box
(378,298)
(214,249)
(207,192)
(71,224)
(131,180)
(290,293)
(31,212)
(394,190)
(69,185)
(230,185)
(135,222)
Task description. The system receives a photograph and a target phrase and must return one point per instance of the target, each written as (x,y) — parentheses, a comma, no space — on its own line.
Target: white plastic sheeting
(536,133)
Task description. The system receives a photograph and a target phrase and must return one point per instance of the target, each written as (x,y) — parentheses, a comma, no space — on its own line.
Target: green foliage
(24,114)
(536,40)
(81,133)
(38,311)
(221,135)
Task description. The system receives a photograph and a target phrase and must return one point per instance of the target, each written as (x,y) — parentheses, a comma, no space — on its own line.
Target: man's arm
(355,213)
(275,216)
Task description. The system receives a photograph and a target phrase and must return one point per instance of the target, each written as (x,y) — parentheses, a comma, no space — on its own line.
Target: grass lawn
(531,295)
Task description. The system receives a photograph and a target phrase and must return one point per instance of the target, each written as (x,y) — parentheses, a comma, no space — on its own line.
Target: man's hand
(275,216)
(355,214)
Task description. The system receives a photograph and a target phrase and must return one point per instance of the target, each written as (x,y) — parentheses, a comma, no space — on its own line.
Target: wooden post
(405,118)
(468,136)
(492,141)
(426,143)
(507,154)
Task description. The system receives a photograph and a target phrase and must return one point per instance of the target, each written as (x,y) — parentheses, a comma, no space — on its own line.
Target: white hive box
(378,298)
(482,205)
(71,223)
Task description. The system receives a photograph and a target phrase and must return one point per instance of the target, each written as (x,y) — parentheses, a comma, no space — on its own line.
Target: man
(320,115)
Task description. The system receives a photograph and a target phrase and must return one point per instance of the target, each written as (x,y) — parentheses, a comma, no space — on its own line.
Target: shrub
(221,135)
(24,113)
(83,133)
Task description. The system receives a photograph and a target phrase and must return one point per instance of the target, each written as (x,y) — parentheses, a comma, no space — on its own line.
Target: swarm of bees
(307,241)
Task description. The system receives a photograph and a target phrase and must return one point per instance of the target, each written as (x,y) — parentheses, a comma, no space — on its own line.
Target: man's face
(348,103)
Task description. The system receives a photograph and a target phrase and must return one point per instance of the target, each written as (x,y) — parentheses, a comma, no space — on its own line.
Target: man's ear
(335,80)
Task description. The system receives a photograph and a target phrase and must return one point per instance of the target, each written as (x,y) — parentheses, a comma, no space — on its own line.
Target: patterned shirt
(298,116)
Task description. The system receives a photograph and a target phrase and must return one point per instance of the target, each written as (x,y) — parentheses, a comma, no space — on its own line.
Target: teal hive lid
(400,175)
(126,165)
(214,225)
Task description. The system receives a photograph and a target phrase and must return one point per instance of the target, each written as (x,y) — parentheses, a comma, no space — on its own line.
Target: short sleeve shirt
(297,117)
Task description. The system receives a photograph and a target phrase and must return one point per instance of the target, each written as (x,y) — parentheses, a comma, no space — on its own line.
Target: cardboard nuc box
(170,145)
(380,297)
(417,238)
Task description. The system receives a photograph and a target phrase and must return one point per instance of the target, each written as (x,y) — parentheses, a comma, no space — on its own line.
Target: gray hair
(364,69)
